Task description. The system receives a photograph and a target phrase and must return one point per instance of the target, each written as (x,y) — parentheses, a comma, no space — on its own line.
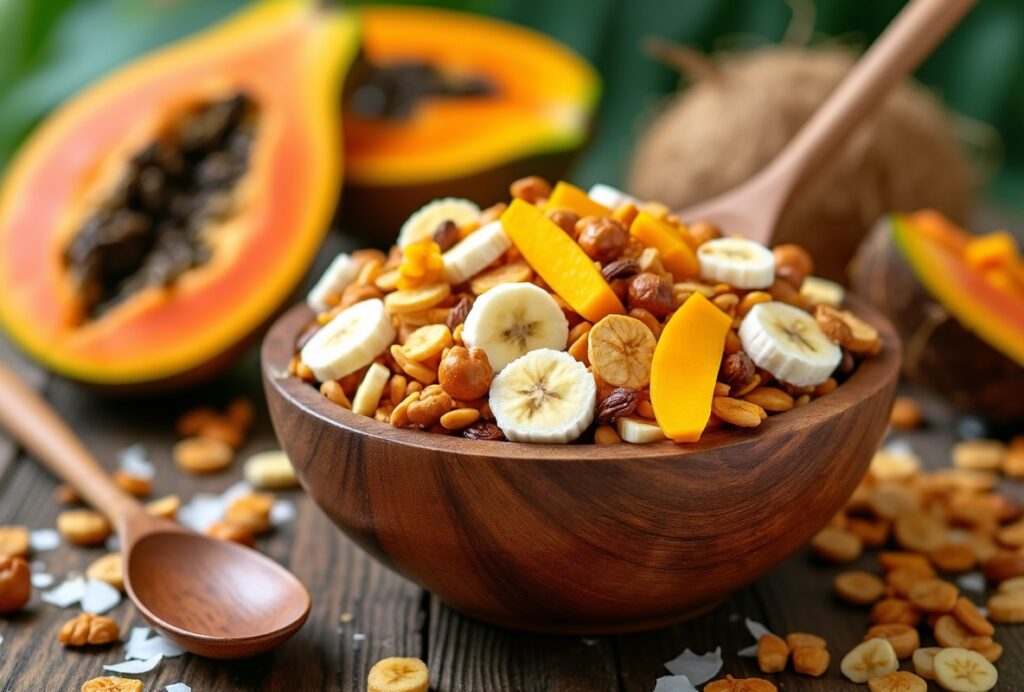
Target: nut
(193,420)
(623,268)
(83,526)
(109,569)
(606,435)
(133,485)
(652,293)
(770,399)
(891,560)
(742,414)
(904,638)
(166,507)
(445,235)
(737,370)
(902,579)
(565,219)
(465,373)
(858,587)
(731,684)
(251,512)
(88,629)
(848,330)
(772,654)
(15,583)
(460,418)
(483,430)
(240,413)
(979,455)
(603,238)
(222,429)
(14,541)
(810,660)
(905,414)
(112,684)
(795,639)
(202,455)
(432,403)
(794,257)
(530,189)
(231,532)
(333,390)
(622,401)
(459,313)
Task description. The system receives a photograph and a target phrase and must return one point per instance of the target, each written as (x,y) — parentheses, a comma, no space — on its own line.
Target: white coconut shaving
(757,630)
(43,539)
(141,646)
(68,593)
(201,511)
(42,580)
(134,667)
(972,581)
(99,597)
(674,683)
(135,462)
(178,687)
(282,512)
(697,668)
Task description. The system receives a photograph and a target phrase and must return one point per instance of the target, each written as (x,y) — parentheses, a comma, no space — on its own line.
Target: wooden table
(363,612)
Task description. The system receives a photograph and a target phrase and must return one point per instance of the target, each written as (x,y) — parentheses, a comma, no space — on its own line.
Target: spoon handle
(913,34)
(32,422)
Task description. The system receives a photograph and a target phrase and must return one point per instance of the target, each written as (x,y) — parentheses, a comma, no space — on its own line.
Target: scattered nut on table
(83,526)
(15,583)
(87,629)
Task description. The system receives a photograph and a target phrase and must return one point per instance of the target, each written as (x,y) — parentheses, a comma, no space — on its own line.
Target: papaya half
(958,302)
(155,222)
(446,104)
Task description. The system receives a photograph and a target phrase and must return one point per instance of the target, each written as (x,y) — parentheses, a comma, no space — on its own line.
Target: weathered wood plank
(35,377)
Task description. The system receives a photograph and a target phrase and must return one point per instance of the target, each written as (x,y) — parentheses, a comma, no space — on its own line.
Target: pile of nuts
(212,438)
(436,381)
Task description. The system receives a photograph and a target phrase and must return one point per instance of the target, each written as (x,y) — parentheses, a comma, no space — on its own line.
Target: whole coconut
(740,110)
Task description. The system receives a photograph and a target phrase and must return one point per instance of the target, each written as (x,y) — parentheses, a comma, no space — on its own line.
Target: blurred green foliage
(51,48)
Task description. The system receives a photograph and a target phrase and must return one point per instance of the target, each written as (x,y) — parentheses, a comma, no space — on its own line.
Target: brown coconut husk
(741,109)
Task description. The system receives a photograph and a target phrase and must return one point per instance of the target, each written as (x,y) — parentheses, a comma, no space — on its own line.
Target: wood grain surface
(363,611)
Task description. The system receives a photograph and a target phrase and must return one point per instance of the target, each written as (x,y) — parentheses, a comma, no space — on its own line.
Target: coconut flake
(145,647)
(674,683)
(42,580)
(237,490)
(67,594)
(178,687)
(748,651)
(44,539)
(201,511)
(698,668)
(138,635)
(282,512)
(972,581)
(134,667)
(99,597)
(756,629)
(135,462)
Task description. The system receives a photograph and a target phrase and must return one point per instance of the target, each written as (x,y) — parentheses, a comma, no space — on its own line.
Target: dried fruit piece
(795,639)
(426,342)
(638,431)
(14,541)
(902,579)
(919,532)
(954,558)
(89,629)
(398,675)
(772,654)
(112,684)
(894,610)
(202,455)
(621,350)
(685,368)
(836,545)
(83,526)
(904,638)
(960,670)
(949,631)
(858,587)
(970,617)
(166,507)
(15,583)
(251,512)
(371,389)
(905,414)
(1007,606)
(933,595)
(350,340)
(109,569)
(900,681)
(869,659)
(401,302)
(924,661)
(731,684)
(270,470)
(231,532)
(979,455)
(810,660)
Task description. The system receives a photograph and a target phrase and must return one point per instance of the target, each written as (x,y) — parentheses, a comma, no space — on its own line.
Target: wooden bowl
(581,539)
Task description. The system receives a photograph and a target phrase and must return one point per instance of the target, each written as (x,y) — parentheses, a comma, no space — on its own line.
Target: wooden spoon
(754,207)
(213,597)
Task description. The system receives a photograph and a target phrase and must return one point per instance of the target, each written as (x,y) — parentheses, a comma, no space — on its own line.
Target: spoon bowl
(247,603)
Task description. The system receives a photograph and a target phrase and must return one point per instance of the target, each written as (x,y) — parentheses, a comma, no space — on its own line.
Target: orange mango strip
(675,251)
(685,368)
(560,261)
(571,198)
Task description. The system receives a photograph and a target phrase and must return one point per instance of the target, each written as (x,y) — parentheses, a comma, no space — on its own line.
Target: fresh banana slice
(819,291)
(788,343)
(611,197)
(475,252)
(638,431)
(340,273)
(398,675)
(869,659)
(355,336)
(960,670)
(924,661)
(512,319)
(736,261)
(426,219)
(546,396)
(370,390)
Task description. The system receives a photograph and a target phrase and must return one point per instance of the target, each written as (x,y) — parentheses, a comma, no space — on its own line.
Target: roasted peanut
(87,629)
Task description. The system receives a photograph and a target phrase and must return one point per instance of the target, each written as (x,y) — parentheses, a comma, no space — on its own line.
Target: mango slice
(674,249)
(559,261)
(570,197)
(685,368)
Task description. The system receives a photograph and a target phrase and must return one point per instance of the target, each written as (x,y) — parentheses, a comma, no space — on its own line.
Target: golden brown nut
(811,660)
(603,238)
(428,408)
(202,455)
(133,485)
(111,684)
(83,526)
(731,684)
(772,654)
(652,293)
(231,532)
(465,373)
(109,569)
(14,541)
(251,512)
(166,507)
(15,583)
(530,189)
(88,629)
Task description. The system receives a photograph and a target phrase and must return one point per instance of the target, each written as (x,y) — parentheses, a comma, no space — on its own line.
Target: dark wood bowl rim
(871,376)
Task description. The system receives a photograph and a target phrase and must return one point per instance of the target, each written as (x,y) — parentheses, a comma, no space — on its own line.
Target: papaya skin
(291,56)
(468,147)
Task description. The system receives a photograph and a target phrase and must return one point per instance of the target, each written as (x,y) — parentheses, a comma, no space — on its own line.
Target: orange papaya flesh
(936,251)
(522,104)
(673,244)
(287,57)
